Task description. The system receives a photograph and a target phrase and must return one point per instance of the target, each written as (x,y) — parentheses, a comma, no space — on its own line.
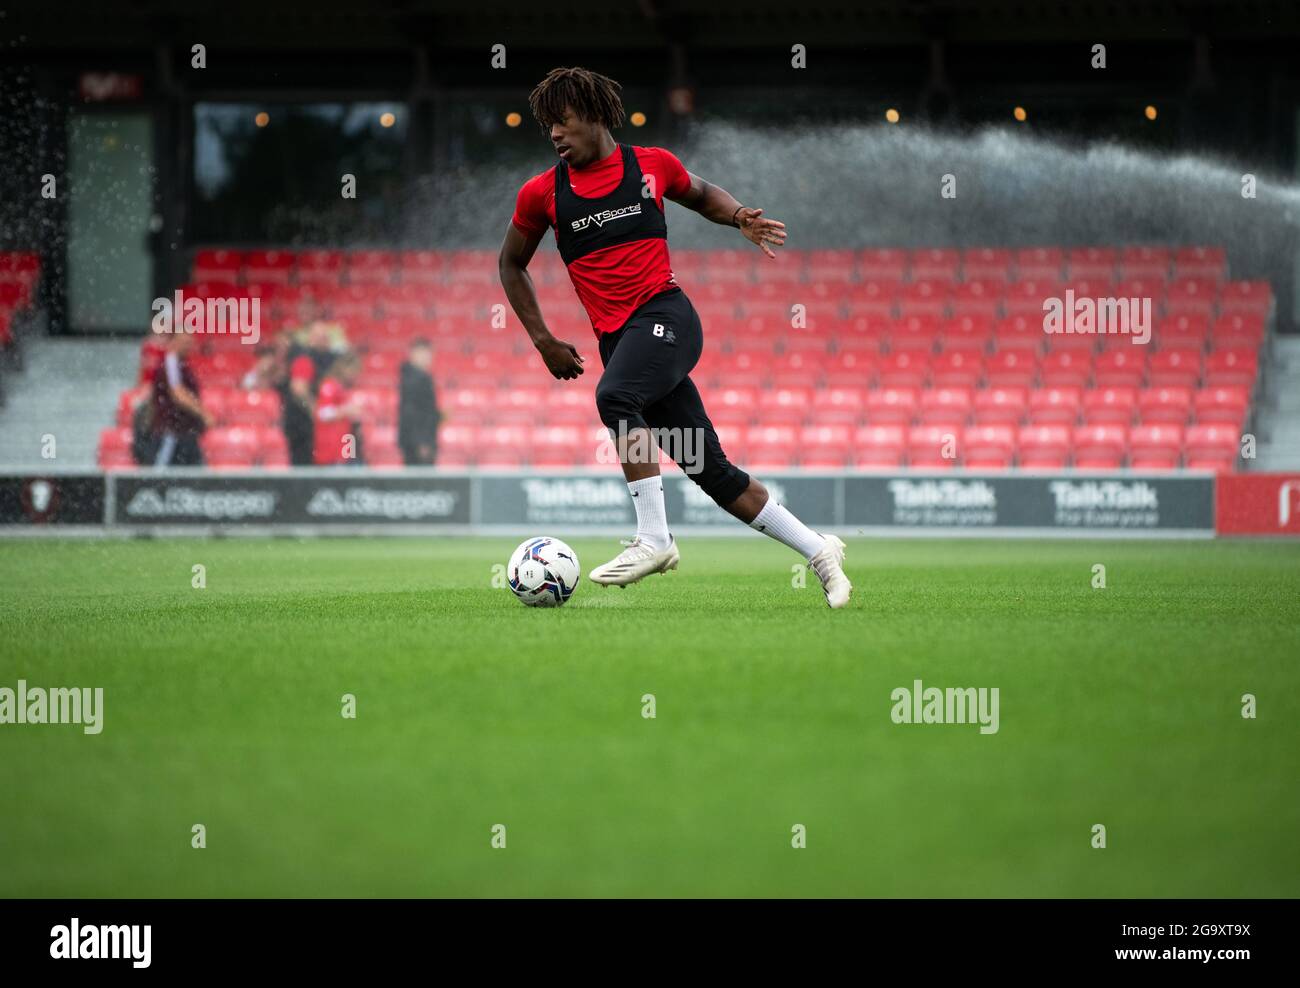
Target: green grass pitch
(1118,706)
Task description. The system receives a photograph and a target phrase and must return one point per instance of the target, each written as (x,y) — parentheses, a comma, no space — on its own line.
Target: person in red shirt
(307,366)
(605,202)
(337,438)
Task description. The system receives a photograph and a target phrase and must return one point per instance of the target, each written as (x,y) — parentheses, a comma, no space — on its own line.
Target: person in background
(268,371)
(307,367)
(417,410)
(179,416)
(337,414)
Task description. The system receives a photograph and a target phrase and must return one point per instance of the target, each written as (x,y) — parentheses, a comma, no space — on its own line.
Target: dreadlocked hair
(593,97)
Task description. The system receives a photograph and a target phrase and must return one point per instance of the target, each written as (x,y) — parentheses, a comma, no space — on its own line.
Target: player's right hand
(562,359)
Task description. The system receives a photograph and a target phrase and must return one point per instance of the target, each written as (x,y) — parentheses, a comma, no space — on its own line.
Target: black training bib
(583,226)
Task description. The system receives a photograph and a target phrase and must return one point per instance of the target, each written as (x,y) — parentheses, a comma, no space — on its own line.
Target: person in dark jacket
(417,413)
(179,417)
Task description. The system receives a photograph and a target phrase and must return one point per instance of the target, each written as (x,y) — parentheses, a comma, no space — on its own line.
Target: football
(543,572)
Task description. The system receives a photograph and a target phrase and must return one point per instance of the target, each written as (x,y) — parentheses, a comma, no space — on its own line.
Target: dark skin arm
(718,205)
(562,359)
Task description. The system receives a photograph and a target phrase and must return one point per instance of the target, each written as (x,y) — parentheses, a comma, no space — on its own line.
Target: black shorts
(646,384)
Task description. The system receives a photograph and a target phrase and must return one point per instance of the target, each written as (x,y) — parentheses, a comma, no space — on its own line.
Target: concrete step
(68,388)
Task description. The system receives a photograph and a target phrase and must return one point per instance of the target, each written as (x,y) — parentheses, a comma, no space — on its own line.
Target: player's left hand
(765,233)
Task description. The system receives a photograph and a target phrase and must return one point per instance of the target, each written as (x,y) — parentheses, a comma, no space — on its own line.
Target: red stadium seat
(946,407)
(218,265)
(882,263)
(469,405)
(321,267)
(737,406)
(988,447)
(1212,447)
(1001,406)
(230,448)
(1066,369)
(1143,288)
(1158,406)
(771,445)
(1040,264)
(924,298)
(1026,297)
(558,444)
(1174,368)
(986,262)
(1226,406)
(1109,406)
(863,332)
(1099,447)
(1232,368)
(981,298)
(1185,331)
(1141,261)
(1120,367)
(1011,369)
(931,447)
(825,445)
(1239,329)
(257,407)
(878,446)
(743,368)
(1201,262)
(421,266)
(1043,447)
(734,266)
(785,404)
(851,367)
(269,266)
(1055,406)
(904,369)
(1155,447)
(273,448)
(1249,297)
(1020,332)
(969,332)
(892,406)
(832,265)
(935,264)
(873,297)
(957,369)
(1193,295)
(373,267)
(802,356)
(472,267)
(838,405)
(1096,264)
(115,447)
(914,332)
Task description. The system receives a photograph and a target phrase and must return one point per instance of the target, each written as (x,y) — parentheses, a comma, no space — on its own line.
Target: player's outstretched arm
(562,359)
(717,204)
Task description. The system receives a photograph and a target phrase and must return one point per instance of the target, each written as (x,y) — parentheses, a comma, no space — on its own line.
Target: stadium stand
(20,275)
(875,358)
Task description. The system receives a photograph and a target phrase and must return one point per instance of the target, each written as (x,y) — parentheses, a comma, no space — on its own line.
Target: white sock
(651,518)
(776,522)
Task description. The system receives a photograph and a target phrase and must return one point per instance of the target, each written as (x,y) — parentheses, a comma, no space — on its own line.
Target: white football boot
(634,562)
(829,567)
